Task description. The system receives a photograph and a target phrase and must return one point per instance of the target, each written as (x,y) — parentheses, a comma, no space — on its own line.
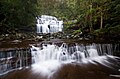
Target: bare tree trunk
(91,29)
(101,20)
(91,25)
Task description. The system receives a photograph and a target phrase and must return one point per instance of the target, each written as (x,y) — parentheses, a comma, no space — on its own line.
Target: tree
(17,14)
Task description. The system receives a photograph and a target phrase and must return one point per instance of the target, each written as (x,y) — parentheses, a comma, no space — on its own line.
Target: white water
(12,60)
(49,58)
(48,24)
(53,52)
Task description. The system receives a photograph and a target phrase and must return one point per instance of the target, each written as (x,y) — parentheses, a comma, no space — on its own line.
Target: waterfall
(14,59)
(66,53)
(48,58)
(48,24)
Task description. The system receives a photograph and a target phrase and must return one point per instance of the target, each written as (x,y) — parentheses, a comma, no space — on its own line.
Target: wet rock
(39,38)
(51,37)
(16,41)
(6,35)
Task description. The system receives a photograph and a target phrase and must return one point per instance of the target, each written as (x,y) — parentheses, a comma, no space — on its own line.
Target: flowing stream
(47,59)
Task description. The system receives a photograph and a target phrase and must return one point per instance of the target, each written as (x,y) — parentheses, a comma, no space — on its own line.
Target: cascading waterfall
(14,59)
(65,53)
(48,24)
(49,57)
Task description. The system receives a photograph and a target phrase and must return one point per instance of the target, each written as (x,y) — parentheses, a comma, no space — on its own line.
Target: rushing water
(48,59)
(48,24)
(14,59)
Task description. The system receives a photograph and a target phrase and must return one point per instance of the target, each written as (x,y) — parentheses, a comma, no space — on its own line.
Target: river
(59,59)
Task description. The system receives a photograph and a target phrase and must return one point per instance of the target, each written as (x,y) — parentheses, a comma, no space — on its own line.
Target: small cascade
(14,59)
(48,58)
(67,53)
(48,24)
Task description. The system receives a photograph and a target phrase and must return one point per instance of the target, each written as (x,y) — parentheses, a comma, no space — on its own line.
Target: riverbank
(23,40)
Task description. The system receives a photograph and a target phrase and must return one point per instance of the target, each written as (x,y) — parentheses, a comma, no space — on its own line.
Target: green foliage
(100,16)
(114,30)
(77,31)
(17,14)
(103,16)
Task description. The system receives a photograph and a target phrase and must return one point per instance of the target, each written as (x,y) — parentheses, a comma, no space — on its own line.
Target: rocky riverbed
(23,40)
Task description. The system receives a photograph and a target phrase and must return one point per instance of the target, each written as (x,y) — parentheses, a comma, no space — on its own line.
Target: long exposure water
(61,61)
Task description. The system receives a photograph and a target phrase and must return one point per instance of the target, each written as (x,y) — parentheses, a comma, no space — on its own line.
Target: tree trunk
(101,20)
(91,29)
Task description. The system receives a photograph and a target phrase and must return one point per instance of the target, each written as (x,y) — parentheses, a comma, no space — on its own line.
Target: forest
(94,18)
(59,39)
